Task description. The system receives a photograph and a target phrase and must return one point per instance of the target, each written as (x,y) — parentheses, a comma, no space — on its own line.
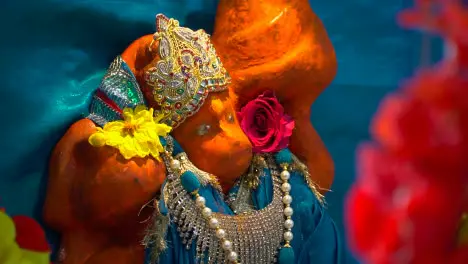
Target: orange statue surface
(96,199)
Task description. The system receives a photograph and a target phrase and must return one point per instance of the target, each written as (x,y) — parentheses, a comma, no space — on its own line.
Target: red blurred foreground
(410,196)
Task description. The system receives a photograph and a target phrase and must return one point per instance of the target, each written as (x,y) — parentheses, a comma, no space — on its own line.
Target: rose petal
(288,125)
(263,144)
(247,116)
(275,105)
(261,121)
(284,143)
(266,105)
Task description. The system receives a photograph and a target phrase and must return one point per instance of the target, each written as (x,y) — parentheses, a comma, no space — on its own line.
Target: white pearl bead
(285,175)
(227,245)
(220,233)
(288,211)
(288,236)
(200,201)
(288,223)
(175,164)
(232,256)
(206,212)
(214,223)
(287,199)
(286,187)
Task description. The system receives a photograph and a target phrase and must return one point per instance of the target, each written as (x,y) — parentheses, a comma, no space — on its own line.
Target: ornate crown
(189,69)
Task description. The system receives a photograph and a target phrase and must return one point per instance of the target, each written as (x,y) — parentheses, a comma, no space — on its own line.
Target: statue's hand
(96,187)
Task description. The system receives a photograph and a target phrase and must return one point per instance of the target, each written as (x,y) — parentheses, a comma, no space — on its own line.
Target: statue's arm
(95,196)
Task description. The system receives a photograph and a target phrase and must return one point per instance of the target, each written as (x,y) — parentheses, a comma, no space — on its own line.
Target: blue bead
(190,181)
(284,156)
(163,141)
(286,256)
(177,148)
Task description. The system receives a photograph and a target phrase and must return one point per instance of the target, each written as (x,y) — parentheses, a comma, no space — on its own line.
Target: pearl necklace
(191,184)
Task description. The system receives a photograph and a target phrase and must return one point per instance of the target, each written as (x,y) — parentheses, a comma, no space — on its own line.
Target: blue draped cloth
(316,238)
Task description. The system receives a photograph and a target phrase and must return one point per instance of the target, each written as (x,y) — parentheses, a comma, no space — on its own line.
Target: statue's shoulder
(97,175)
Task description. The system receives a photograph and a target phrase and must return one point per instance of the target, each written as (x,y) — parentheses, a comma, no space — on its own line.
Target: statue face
(214,140)
(212,137)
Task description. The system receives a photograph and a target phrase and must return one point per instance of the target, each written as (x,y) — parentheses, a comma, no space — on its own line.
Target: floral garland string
(409,202)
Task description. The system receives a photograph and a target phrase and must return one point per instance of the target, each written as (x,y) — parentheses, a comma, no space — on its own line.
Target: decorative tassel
(256,170)
(155,237)
(190,181)
(286,255)
(284,156)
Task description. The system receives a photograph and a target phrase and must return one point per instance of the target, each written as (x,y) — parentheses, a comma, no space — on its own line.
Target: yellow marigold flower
(137,135)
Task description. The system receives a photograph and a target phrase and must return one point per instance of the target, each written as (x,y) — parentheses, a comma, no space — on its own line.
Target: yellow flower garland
(137,135)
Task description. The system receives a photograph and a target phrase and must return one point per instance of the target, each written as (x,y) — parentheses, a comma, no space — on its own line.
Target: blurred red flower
(448,18)
(414,129)
(393,209)
(411,190)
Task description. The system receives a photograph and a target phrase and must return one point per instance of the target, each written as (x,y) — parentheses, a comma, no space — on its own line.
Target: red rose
(266,125)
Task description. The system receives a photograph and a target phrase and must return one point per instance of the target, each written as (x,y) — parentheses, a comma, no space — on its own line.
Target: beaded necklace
(261,236)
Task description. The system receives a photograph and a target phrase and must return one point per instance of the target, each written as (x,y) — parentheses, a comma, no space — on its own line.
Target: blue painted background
(374,55)
(53,52)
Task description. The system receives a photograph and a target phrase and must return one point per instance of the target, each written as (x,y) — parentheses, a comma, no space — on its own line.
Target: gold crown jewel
(189,69)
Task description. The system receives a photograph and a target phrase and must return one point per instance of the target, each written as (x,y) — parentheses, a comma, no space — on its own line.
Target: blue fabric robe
(316,239)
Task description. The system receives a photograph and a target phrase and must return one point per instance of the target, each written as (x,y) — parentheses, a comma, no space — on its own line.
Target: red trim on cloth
(108,101)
